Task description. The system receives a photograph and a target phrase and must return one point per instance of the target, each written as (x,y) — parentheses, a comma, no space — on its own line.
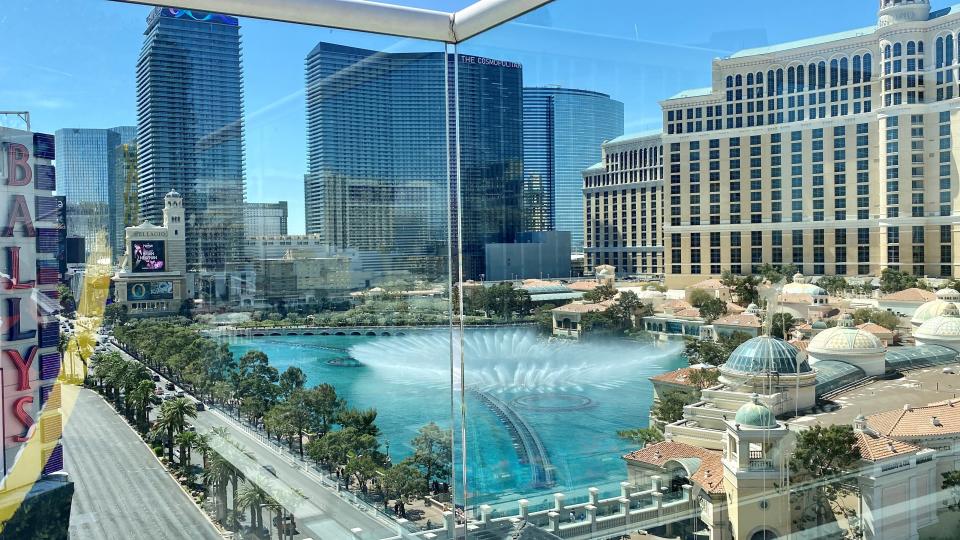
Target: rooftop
(677,376)
(935,419)
(807,42)
(709,475)
(583,307)
(740,319)
(910,295)
(877,447)
(634,136)
(692,92)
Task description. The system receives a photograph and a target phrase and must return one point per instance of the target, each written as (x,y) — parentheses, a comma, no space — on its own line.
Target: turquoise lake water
(573,396)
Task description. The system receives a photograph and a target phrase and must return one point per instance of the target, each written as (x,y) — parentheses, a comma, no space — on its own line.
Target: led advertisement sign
(149,290)
(148,256)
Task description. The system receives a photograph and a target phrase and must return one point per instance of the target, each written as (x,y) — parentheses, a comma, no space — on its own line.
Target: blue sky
(72,62)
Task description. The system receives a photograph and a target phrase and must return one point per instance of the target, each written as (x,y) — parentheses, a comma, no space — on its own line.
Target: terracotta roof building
(702,466)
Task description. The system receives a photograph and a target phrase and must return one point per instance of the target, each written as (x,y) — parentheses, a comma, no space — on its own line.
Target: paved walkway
(121,489)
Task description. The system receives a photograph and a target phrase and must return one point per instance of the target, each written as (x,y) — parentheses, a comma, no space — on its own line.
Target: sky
(71,63)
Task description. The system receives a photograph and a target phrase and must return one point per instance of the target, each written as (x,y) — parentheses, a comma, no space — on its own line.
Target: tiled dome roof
(755,414)
(929,310)
(845,337)
(946,326)
(800,287)
(764,353)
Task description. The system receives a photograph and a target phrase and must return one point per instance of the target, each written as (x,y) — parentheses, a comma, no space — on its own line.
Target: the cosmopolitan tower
(377,152)
(563,129)
(190,129)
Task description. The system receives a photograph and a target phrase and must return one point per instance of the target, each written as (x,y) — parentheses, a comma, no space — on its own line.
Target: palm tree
(140,398)
(217,473)
(186,440)
(173,419)
(252,496)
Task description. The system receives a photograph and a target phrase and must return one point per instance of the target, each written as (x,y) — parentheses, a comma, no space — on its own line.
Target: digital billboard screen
(150,290)
(148,256)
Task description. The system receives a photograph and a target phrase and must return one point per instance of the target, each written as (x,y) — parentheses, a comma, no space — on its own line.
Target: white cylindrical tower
(173,220)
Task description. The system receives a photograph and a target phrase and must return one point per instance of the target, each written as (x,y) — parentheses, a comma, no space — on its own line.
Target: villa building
(831,153)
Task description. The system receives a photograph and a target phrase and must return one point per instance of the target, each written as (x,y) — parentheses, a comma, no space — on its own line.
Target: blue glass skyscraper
(377,135)
(91,182)
(563,129)
(190,129)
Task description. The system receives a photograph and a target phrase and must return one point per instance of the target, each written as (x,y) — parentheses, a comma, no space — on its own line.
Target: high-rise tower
(378,157)
(190,129)
(92,182)
(563,129)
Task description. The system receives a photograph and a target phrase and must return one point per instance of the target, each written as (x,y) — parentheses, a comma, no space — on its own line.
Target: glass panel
(254,272)
(540,283)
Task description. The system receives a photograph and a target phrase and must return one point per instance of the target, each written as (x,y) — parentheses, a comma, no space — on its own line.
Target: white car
(949,370)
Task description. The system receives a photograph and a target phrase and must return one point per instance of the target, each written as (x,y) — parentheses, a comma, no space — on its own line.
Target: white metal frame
(367,16)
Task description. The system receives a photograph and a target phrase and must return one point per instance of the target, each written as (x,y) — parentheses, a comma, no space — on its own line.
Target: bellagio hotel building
(837,154)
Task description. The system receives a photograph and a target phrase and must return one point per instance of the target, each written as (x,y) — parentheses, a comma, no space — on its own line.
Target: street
(319,511)
(121,489)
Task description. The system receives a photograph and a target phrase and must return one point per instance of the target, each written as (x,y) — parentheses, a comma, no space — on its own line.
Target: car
(168,396)
(170,386)
(949,370)
(156,378)
(270,469)
(158,391)
(200,406)
(180,393)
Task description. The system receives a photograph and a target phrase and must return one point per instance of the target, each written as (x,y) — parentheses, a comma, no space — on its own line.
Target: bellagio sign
(28,244)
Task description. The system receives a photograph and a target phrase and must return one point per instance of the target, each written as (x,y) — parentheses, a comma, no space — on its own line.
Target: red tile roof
(877,447)
(583,285)
(910,295)
(709,284)
(709,475)
(748,320)
(876,329)
(941,418)
(677,376)
(583,307)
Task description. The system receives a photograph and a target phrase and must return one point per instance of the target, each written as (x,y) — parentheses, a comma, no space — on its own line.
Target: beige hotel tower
(837,154)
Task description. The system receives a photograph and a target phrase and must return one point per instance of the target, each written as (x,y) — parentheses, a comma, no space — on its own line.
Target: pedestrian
(572,517)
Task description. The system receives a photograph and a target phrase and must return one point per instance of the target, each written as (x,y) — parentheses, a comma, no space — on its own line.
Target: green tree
(833,284)
(252,497)
(712,309)
(601,293)
(256,382)
(172,420)
(704,378)
(882,317)
(326,405)
(291,379)
(140,398)
(821,457)
(892,280)
(706,352)
(67,300)
(116,314)
(543,316)
(670,406)
(770,273)
(698,297)
(744,288)
(404,480)
(781,324)
(951,481)
(641,436)
(186,440)
(433,452)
